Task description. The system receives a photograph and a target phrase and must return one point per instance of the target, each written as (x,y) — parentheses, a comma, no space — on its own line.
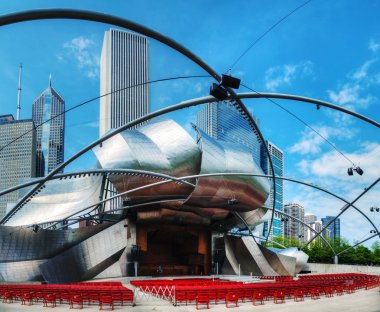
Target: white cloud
(354,92)
(311,142)
(349,96)
(374,45)
(332,165)
(329,171)
(86,56)
(284,75)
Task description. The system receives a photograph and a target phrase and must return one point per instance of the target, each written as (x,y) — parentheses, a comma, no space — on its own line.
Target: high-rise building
(309,218)
(334,227)
(277,156)
(50,133)
(17,160)
(124,72)
(222,121)
(293,228)
(309,234)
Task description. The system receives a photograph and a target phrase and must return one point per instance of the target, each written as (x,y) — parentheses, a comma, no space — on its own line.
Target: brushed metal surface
(88,258)
(214,192)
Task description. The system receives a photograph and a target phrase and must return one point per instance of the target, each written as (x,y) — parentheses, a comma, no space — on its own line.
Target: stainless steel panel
(159,146)
(60,199)
(218,157)
(299,255)
(88,258)
(21,244)
(21,271)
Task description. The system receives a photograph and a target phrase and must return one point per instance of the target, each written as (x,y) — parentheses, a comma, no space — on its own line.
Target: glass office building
(222,121)
(334,228)
(50,134)
(277,156)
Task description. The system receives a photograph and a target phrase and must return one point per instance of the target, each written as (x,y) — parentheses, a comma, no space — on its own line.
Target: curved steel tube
(202,175)
(361,242)
(343,210)
(109,19)
(308,226)
(95,171)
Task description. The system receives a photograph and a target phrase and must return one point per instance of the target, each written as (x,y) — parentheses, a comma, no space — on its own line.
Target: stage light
(229,81)
(218,92)
(350,171)
(359,170)
(35,228)
(232,201)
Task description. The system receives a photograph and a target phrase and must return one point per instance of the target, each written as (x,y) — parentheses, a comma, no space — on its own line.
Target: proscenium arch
(117,21)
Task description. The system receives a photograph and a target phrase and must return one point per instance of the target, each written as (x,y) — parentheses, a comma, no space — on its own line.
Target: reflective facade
(293,228)
(334,228)
(277,157)
(222,121)
(50,133)
(18,160)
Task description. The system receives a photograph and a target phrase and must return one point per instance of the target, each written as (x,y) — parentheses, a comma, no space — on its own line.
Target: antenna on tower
(50,80)
(19,93)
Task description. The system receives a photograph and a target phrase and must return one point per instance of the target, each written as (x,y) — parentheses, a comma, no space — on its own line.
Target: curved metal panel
(299,255)
(58,200)
(159,146)
(250,192)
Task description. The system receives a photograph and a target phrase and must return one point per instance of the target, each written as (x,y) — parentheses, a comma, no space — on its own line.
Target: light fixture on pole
(218,92)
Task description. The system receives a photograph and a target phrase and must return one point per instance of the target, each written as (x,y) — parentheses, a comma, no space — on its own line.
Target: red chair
(27,298)
(221,295)
(314,293)
(8,297)
(50,300)
(128,297)
(202,299)
(329,292)
(298,295)
(339,290)
(279,296)
(106,300)
(191,296)
(232,297)
(64,297)
(76,302)
(93,297)
(257,296)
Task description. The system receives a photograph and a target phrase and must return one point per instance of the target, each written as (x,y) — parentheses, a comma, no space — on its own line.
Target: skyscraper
(277,156)
(222,121)
(18,160)
(50,133)
(334,227)
(124,67)
(293,228)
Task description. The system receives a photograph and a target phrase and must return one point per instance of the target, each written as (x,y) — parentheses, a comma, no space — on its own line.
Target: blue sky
(327,50)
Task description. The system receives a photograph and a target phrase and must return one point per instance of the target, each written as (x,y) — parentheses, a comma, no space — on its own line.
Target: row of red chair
(76,295)
(204,292)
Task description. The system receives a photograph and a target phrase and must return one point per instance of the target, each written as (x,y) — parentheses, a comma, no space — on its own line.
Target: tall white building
(17,160)
(124,67)
(293,228)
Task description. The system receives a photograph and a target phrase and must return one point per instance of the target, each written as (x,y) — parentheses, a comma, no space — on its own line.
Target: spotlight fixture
(232,201)
(318,107)
(350,171)
(35,228)
(373,231)
(359,170)
(218,92)
(229,81)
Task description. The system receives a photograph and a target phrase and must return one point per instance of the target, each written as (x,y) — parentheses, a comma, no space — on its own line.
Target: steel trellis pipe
(109,19)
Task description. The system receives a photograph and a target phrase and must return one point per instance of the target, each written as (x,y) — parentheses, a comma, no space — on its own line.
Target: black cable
(100,96)
(303,122)
(268,31)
